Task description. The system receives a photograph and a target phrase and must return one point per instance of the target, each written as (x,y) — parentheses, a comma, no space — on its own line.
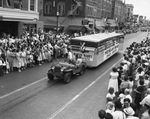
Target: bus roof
(97,37)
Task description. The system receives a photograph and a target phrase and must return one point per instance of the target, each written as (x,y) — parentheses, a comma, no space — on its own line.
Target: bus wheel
(67,78)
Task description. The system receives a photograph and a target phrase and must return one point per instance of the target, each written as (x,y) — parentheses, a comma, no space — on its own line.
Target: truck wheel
(67,77)
(50,75)
(82,70)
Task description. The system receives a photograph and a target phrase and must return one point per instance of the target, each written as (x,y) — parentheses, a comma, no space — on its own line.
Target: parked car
(65,71)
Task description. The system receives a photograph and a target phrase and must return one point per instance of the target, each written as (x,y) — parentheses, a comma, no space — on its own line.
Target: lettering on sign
(87,57)
(109,52)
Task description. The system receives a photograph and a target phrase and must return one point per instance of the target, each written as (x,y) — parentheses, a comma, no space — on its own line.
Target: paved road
(80,99)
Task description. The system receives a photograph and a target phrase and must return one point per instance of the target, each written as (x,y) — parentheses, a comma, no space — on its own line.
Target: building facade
(18,15)
(129,12)
(77,15)
(120,11)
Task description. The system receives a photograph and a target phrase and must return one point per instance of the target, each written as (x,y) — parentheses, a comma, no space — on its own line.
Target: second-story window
(1,3)
(75,9)
(17,4)
(32,5)
(61,8)
(48,8)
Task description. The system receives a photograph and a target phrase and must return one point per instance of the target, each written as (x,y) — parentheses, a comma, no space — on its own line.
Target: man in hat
(129,113)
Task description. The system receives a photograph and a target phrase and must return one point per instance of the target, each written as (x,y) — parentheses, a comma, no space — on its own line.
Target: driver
(78,60)
(68,60)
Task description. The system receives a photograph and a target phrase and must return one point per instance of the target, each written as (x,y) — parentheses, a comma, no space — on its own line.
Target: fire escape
(71,12)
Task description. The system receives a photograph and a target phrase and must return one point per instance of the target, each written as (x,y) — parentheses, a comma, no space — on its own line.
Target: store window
(32,5)
(61,8)
(30,28)
(1,3)
(48,8)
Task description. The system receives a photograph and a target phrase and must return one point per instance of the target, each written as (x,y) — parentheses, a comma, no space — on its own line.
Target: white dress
(113,81)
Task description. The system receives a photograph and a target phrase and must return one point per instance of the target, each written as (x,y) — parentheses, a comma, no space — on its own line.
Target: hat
(129,111)
(121,95)
(146,63)
(147,100)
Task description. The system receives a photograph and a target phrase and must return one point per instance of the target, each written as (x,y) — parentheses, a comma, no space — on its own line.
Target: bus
(96,48)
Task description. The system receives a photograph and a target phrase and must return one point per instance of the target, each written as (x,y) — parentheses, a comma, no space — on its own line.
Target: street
(82,98)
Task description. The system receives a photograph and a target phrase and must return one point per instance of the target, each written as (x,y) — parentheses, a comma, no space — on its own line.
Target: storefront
(9,27)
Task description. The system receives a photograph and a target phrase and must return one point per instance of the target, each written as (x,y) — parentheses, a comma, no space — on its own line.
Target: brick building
(129,12)
(76,15)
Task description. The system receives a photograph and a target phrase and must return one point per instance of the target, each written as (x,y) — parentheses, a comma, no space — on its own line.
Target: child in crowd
(110,95)
(110,107)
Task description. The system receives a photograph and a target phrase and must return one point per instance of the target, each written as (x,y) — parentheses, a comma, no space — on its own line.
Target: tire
(50,75)
(67,78)
(82,70)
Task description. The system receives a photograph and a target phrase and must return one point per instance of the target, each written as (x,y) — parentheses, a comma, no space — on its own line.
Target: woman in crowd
(113,81)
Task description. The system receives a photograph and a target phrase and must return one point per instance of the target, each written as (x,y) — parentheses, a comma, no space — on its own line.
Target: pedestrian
(146,114)
(139,93)
(110,107)
(118,113)
(113,81)
(102,114)
(110,95)
(124,84)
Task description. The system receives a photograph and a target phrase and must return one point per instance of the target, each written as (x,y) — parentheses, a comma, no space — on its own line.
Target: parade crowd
(128,94)
(19,53)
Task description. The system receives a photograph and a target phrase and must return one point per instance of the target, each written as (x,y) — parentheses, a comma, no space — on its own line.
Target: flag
(8,3)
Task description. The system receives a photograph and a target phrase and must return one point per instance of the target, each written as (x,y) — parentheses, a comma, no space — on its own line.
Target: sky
(141,7)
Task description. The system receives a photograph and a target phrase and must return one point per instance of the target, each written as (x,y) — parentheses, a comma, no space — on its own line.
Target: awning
(33,21)
(75,27)
(51,26)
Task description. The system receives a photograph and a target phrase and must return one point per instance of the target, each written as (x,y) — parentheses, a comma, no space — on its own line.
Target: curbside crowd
(128,95)
(19,53)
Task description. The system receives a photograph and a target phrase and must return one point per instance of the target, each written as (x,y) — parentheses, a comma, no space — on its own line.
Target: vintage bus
(96,48)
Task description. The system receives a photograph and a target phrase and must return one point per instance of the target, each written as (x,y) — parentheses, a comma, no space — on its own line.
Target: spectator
(102,114)
(110,95)
(127,94)
(124,84)
(113,81)
(118,113)
(129,113)
(110,107)
(108,116)
(139,93)
(146,114)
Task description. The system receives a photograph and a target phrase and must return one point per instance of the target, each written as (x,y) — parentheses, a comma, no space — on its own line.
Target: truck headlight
(52,67)
(62,70)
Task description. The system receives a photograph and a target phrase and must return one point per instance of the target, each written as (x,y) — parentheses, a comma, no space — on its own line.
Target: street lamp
(95,13)
(57,14)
